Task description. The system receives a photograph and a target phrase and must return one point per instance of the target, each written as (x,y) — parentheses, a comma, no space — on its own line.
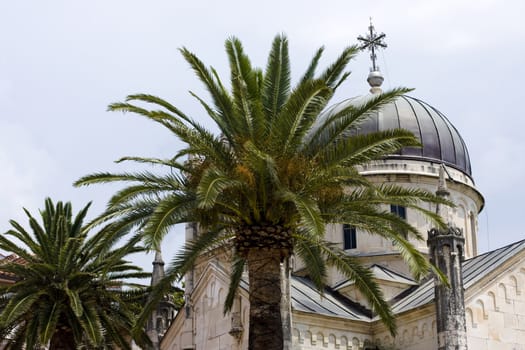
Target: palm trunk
(62,340)
(266,330)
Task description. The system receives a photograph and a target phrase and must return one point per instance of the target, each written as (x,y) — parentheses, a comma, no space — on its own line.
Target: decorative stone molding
(326,338)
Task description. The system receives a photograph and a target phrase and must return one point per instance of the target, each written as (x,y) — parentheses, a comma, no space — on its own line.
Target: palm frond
(160,102)
(186,257)
(307,248)
(298,115)
(333,73)
(235,281)
(276,78)
(213,183)
(220,97)
(338,123)
(364,281)
(309,74)
(168,212)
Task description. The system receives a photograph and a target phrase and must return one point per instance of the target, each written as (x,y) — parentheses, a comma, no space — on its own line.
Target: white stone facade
(496,311)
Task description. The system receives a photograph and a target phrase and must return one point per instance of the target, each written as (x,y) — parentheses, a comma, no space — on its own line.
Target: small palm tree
(69,290)
(279,170)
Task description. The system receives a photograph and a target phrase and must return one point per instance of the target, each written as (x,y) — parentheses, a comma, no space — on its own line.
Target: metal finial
(372,41)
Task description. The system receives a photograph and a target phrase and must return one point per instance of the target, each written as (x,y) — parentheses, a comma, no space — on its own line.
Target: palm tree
(279,170)
(69,290)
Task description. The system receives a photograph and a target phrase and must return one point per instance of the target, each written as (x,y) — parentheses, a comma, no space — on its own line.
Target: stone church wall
(327,333)
(496,314)
(416,331)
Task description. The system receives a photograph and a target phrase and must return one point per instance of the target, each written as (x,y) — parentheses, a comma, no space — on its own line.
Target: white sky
(63,62)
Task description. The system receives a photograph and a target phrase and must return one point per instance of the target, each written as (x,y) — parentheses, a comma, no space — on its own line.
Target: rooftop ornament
(372,41)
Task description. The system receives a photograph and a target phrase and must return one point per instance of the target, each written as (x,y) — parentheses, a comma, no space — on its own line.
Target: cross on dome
(372,41)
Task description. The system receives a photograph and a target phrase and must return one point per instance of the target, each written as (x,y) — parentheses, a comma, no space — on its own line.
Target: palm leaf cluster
(69,291)
(282,166)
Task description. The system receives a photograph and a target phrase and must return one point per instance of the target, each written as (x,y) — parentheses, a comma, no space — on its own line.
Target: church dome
(441,142)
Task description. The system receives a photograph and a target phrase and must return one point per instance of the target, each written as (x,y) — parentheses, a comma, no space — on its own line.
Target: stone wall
(323,332)
(416,331)
(496,313)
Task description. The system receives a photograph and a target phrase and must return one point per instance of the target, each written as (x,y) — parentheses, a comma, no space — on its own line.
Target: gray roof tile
(306,298)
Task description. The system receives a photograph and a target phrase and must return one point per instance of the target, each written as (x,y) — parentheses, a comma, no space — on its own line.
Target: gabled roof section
(383,274)
(306,298)
(474,270)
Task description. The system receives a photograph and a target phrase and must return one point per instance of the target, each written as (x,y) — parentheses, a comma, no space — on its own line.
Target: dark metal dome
(441,142)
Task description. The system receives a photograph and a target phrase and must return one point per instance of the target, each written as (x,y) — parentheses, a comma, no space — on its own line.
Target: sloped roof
(306,298)
(474,269)
(380,273)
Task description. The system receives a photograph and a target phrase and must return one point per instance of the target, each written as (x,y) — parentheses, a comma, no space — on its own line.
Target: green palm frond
(309,216)
(31,333)
(186,257)
(245,89)
(298,114)
(362,149)
(307,247)
(160,102)
(220,97)
(153,161)
(280,157)
(90,322)
(332,74)
(364,281)
(169,211)
(335,123)
(10,246)
(66,282)
(17,305)
(277,78)
(309,74)
(238,265)
(213,183)
(49,320)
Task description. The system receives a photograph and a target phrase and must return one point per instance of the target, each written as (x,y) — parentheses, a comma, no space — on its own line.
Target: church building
(484,308)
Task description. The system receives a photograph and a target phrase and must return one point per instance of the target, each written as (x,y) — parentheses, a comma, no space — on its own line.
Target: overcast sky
(63,62)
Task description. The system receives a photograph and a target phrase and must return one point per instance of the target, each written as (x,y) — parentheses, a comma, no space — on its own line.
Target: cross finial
(372,41)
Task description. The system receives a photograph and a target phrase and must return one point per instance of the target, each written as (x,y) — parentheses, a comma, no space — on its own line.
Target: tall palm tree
(69,290)
(277,172)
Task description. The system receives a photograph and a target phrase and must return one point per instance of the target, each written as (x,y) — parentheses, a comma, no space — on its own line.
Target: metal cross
(372,41)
